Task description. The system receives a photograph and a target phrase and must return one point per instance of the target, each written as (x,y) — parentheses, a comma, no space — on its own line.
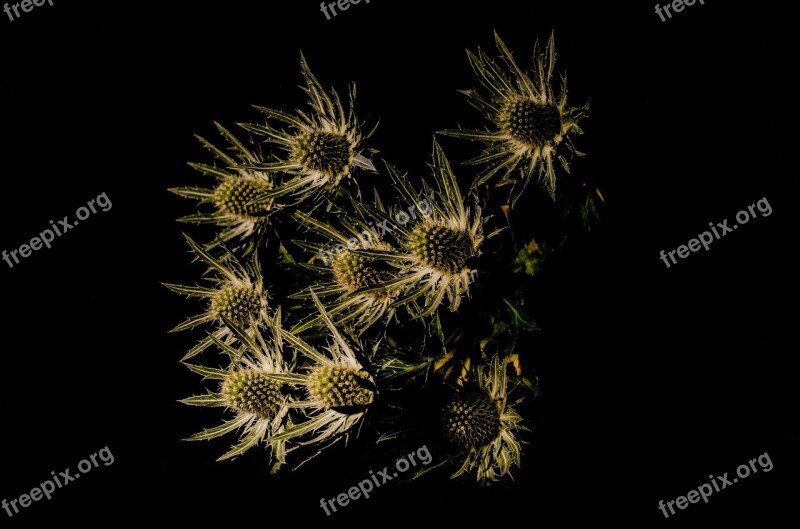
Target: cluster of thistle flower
(304,385)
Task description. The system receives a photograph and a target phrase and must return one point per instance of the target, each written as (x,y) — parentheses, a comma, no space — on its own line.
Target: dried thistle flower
(236,293)
(238,202)
(532,123)
(344,277)
(250,387)
(338,388)
(433,255)
(320,148)
(479,421)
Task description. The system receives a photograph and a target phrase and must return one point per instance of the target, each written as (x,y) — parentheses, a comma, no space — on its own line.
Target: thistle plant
(235,293)
(348,280)
(237,203)
(479,421)
(532,125)
(434,258)
(247,388)
(338,389)
(339,309)
(318,149)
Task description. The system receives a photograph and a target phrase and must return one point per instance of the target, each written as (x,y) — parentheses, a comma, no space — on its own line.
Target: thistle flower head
(239,201)
(320,148)
(471,419)
(354,271)
(238,302)
(235,292)
(441,247)
(252,387)
(327,153)
(531,124)
(479,421)
(252,391)
(340,387)
(238,196)
(350,280)
(433,258)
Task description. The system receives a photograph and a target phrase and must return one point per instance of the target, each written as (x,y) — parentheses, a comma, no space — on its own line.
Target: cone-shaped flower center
(444,249)
(341,387)
(235,196)
(326,152)
(471,419)
(237,303)
(354,271)
(530,123)
(252,391)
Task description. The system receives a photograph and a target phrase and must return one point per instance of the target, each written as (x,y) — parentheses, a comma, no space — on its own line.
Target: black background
(652,378)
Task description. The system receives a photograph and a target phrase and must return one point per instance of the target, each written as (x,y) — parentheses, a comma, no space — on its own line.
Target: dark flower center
(530,123)
(238,304)
(341,387)
(326,152)
(443,249)
(471,419)
(252,391)
(236,196)
(354,271)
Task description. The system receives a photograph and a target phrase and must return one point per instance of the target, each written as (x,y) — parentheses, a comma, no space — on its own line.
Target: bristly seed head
(341,387)
(252,391)
(237,303)
(326,152)
(353,271)
(471,419)
(234,195)
(530,123)
(444,249)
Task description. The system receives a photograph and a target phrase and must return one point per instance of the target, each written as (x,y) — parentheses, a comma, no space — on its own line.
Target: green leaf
(437,324)
(210,399)
(208,372)
(287,378)
(198,193)
(304,428)
(520,319)
(210,170)
(193,322)
(193,291)
(220,430)
(529,259)
(251,439)
(286,256)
